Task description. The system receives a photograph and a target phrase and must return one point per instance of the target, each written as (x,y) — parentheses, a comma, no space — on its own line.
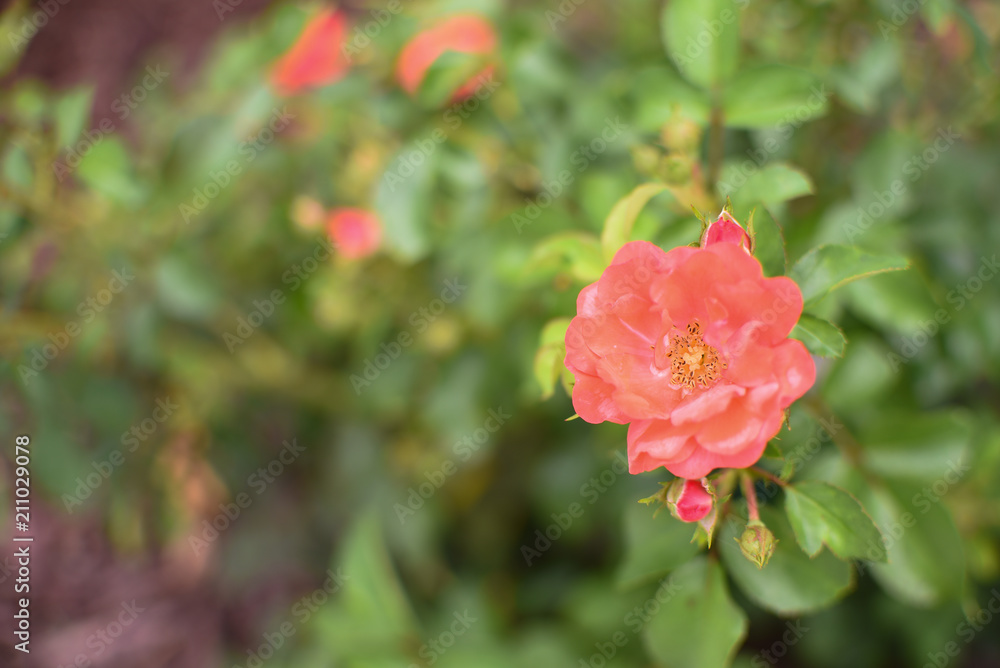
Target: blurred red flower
(316,58)
(464,33)
(690,347)
(355,232)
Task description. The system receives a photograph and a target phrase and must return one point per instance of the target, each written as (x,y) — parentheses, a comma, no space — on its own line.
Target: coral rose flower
(464,33)
(355,232)
(316,58)
(690,347)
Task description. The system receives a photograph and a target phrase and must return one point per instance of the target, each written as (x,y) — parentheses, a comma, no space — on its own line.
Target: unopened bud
(690,500)
(757,543)
(646,159)
(726,229)
(681,134)
(307,213)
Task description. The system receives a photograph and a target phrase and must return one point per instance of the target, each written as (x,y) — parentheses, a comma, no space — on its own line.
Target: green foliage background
(915,388)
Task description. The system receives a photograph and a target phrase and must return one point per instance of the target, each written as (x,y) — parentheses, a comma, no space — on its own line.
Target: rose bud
(355,232)
(307,213)
(757,543)
(315,59)
(690,500)
(725,228)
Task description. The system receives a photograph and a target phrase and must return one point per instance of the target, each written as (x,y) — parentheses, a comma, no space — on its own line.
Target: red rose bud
(315,59)
(725,228)
(355,232)
(690,500)
(757,543)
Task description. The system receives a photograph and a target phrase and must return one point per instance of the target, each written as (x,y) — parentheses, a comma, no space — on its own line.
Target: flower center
(692,361)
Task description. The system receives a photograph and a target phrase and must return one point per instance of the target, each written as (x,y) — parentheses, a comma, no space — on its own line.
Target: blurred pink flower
(463,33)
(355,232)
(316,58)
(690,347)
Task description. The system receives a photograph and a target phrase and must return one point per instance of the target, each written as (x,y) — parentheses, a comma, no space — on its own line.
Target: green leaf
(72,112)
(936,13)
(772,184)
(769,241)
(576,252)
(823,514)
(687,25)
(372,593)
(821,337)
(699,626)
(618,225)
(926,565)
(773,95)
(826,268)
(654,546)
(107,169)
(446,75)
(186,289)
(402,201)
(551,352)
(17,169)
(921,448)
(791,583)
(660,92)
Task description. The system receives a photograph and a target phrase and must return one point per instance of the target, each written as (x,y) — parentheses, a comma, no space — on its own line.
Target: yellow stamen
(692,361)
